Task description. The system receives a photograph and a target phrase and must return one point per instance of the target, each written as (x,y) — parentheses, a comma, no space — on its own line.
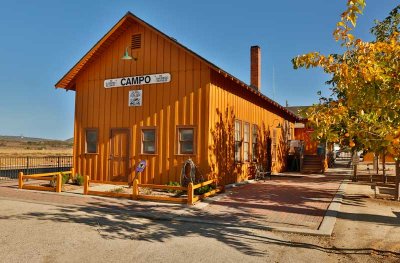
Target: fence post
(27,165)
(20,180)
(58,183)
(86,184)
(190,194)
(135,189)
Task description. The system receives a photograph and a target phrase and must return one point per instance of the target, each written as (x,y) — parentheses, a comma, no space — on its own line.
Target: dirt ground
(18,152)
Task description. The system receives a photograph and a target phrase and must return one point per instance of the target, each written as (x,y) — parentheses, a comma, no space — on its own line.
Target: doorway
(119,155)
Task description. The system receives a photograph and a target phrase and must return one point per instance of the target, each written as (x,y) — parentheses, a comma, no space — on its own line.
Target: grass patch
(117,190)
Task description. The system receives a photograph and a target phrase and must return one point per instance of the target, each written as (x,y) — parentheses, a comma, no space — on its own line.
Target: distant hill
(70,140)
(29,139)
(20,145)
(32,143)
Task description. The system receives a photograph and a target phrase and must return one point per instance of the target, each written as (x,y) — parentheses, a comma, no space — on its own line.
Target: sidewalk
(297,202)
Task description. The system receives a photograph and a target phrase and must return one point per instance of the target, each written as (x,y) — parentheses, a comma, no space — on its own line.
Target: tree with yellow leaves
(366,86)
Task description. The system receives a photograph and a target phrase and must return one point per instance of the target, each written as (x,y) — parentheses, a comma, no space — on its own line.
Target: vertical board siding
(183,101)
(225,93)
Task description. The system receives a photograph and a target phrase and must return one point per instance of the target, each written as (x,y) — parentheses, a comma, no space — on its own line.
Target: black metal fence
(11,166)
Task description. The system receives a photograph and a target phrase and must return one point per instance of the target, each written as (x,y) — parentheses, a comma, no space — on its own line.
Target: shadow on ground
(116,222)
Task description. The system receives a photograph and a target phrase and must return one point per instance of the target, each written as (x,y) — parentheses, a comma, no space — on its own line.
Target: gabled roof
(68,80)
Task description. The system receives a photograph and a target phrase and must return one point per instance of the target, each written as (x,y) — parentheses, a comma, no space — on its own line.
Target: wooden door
(119,155)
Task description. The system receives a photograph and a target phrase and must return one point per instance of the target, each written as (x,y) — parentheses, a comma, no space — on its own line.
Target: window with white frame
(186,140)
(238,140)
(254,141)
(246,142)
(149,141)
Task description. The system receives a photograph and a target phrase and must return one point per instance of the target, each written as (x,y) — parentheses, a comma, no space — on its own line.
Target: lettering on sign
(135,98)
(137,80)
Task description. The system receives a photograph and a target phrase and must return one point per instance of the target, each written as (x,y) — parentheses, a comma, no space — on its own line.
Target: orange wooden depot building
(140,95)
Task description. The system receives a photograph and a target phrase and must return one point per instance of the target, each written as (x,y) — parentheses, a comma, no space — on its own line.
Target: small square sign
(135,98)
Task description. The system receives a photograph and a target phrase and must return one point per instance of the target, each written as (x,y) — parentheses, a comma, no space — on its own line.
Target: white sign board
(137,80)
(135,98)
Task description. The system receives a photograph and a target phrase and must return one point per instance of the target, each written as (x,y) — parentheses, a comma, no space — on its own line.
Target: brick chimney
(255,67)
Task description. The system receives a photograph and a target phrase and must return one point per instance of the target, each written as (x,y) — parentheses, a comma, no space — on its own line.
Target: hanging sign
(138,80)
(135,98)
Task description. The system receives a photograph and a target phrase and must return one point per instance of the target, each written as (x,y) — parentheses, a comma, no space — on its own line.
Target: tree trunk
(355,179)
(354,160)
(397,193)
(384,167)
(376,163)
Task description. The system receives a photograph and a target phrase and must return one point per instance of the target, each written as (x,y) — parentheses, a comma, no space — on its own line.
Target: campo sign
(137,80)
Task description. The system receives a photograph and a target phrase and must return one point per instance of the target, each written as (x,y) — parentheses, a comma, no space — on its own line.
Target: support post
(135,189)
(27,165)
(190,194)
(384,167)
(355,179)
(58,183)
(20,180)
(86,184)
(72,173)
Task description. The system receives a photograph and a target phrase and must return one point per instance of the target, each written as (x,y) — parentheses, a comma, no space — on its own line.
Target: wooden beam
(39,188)
(162,198)
(204,184)
(58,183)
(109,194)
(20,180)
(162,186)
(190,194)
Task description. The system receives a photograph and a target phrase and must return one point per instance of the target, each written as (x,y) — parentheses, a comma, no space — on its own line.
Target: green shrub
(170,183)
(65,179)
(79,179)
(204,189)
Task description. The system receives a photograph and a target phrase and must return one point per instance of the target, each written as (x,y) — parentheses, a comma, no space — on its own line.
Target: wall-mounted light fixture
(127,56)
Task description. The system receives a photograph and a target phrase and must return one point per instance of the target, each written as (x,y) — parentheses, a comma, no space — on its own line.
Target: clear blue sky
(42,40)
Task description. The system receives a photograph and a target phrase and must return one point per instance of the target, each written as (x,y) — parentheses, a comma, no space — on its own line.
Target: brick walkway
(290,201)
(298,201)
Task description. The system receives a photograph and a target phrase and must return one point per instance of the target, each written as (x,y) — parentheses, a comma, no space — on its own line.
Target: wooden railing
(56,176)
(138,196)
(190,199)
(201,197)
(87,191)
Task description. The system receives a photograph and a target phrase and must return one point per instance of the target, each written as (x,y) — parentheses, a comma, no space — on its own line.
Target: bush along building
(140,95)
